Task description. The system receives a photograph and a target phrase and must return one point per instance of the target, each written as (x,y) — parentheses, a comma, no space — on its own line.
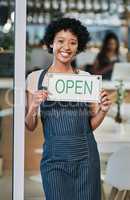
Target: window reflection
(6,97)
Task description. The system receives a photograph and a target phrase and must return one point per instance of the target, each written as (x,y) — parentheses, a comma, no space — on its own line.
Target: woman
(107,57)
(70,166)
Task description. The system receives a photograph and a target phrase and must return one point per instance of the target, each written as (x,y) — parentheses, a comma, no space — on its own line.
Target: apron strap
(40,81)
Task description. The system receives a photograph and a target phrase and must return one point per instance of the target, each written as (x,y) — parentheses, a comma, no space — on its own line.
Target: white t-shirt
(33,78)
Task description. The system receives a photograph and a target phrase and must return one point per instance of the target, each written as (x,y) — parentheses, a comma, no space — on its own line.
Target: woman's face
(64,46)
(112,45)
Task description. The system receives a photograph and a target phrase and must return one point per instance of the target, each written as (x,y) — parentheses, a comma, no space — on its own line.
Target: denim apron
(70,165)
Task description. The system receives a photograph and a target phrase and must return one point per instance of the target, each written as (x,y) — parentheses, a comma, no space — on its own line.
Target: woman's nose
(66,46)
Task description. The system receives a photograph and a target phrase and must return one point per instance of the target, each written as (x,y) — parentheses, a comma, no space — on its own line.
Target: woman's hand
(33,102)
(38,97)
(105,101)
(103,107)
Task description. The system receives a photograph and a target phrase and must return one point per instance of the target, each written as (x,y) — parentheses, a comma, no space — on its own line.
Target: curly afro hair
(71,24)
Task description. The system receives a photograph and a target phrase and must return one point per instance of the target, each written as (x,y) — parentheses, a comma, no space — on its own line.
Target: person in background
(107,57)
(70,164)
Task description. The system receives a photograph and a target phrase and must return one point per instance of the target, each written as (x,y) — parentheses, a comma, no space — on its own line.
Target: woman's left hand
(105,101)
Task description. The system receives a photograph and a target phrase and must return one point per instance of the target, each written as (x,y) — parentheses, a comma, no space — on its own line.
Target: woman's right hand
(37,98)
(33,102)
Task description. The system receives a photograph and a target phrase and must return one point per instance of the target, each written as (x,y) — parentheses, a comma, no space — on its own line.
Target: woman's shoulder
(32,80)
(34,73)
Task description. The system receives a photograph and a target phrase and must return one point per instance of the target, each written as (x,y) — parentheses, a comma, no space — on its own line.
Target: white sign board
(74,87)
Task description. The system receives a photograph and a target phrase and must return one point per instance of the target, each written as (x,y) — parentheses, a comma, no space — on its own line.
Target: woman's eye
(60,41)
(73,43)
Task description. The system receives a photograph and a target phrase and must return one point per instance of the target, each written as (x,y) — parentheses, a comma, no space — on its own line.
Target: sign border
(50,74)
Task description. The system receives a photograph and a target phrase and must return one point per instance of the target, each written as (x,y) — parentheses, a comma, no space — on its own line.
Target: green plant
(119,100)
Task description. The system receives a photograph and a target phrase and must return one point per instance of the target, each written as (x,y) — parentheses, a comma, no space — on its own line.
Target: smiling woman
(70,165)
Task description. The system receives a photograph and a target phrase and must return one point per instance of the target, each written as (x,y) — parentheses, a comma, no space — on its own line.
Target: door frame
(19,100)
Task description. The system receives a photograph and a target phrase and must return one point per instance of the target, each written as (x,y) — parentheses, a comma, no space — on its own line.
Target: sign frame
(51,75)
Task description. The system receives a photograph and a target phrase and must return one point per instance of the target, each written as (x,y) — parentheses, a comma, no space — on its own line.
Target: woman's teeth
(64,54)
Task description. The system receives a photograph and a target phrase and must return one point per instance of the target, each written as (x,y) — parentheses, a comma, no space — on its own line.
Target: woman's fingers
(103,93)
(104,96)
(39,96)
(45,95)
(105,101)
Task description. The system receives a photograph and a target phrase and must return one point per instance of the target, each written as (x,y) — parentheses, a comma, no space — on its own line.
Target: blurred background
(108,54)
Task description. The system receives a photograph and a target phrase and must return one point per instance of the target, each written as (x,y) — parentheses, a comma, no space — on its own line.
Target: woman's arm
(33,102)
(99,111)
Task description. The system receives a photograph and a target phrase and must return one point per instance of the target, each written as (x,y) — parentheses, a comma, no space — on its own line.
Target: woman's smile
(65,54)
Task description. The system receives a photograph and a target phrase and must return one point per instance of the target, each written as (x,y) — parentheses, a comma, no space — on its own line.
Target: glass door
(7,8)
(12,98)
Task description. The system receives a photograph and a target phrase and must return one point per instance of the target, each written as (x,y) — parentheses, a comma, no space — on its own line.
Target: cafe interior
(101,17)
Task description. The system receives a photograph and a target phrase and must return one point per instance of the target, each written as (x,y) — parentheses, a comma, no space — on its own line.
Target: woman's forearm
(97,119)
(31,119)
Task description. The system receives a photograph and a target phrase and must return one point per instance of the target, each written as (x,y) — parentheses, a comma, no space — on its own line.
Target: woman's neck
(61,67)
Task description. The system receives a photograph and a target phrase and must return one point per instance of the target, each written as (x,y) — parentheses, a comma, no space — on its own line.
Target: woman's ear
(51,46)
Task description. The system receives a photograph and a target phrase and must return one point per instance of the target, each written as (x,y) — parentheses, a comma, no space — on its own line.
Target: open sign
(74,87)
